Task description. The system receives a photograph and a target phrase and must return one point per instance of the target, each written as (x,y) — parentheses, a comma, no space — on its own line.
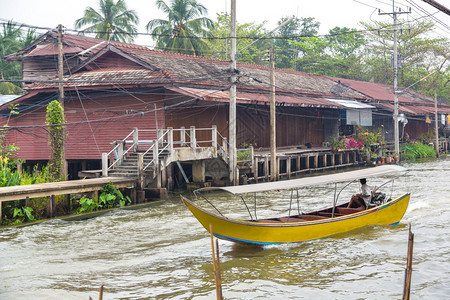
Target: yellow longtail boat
(307,226)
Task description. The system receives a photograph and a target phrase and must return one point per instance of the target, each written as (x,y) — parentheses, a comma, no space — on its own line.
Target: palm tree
(113,22)
(10,41)
(184,29)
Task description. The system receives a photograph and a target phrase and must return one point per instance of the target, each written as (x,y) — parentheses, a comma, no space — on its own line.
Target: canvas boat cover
(383,170)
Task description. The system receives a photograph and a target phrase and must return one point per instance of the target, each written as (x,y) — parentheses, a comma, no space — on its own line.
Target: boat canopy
(314,180)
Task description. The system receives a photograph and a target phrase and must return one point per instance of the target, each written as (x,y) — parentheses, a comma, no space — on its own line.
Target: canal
(163,253)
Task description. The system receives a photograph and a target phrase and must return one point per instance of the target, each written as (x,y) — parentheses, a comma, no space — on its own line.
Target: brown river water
(164,253)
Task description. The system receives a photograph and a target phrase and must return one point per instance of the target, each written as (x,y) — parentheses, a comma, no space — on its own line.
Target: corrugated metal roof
(351,104)
(253,98)
(52,49)
(107,76)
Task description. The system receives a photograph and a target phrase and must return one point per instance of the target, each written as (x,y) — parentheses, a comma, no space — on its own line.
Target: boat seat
(328,214)
(267,221)
(313,217)
(290,220)
(347,211)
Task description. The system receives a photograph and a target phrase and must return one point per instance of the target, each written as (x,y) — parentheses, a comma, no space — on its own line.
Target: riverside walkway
(51,189)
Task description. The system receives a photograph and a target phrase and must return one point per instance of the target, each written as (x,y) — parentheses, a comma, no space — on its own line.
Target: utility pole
(396,130)
(436,130)
(61,93)
(232,161)
(273,131)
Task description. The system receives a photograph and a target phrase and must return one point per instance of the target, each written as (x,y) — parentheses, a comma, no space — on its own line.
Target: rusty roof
(113,76)
(254,98)
(204,74)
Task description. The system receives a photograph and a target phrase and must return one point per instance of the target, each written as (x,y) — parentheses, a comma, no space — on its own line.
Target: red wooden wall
(92,126)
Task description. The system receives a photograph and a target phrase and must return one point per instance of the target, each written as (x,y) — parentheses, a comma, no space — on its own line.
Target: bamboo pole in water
(216,266)
(100,296)
(408,270)
(219,277)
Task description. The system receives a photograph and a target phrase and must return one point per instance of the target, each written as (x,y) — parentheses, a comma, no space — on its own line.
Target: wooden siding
(294,126)
(200,117)
(416,128)
(92,127)
(43,67)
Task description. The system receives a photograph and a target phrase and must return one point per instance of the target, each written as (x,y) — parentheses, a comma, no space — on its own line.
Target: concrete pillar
(316,161)
(325,158)
(333,157)
(307,162)
(198,171)
(298,163)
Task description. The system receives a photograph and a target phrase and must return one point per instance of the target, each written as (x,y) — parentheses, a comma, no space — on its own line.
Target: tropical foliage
(418,150)
(55,122)
(110,197)
(246,34)
(184,29)
(12,39)
(113,22)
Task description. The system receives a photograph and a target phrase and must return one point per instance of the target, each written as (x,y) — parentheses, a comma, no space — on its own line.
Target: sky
(330,13)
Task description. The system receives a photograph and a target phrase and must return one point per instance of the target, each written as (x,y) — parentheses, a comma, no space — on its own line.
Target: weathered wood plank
(11,193)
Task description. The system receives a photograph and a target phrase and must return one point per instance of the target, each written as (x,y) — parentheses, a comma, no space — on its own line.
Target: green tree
(294,31)
(246,34)
(55,122)
(12,40)
(420,55)
(113,22)
(184,29)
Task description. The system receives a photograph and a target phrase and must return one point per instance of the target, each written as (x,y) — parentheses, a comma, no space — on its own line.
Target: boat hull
(252,232)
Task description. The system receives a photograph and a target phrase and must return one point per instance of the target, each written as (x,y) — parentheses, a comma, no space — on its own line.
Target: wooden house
(112,88)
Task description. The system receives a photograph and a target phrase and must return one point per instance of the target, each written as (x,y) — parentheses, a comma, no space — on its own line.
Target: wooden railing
(163,146)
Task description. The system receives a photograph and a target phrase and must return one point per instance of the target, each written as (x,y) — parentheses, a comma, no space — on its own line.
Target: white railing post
(135,139)
(155,155)
(159,133)
(183,136)
(105,164)
(193,138)
(214,136)
(225,146)
(170,139)
(120,152)
(140,167)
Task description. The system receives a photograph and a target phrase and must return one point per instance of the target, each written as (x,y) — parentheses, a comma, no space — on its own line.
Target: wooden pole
(273,136)
(215,267)
(232,162)
(219,278)
(64,170)
(100,296)
(408,270)
(436,131)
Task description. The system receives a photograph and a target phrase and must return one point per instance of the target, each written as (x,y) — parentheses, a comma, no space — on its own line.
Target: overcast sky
(330,13)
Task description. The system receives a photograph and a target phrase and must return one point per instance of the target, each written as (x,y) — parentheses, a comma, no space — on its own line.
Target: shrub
(418,150)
